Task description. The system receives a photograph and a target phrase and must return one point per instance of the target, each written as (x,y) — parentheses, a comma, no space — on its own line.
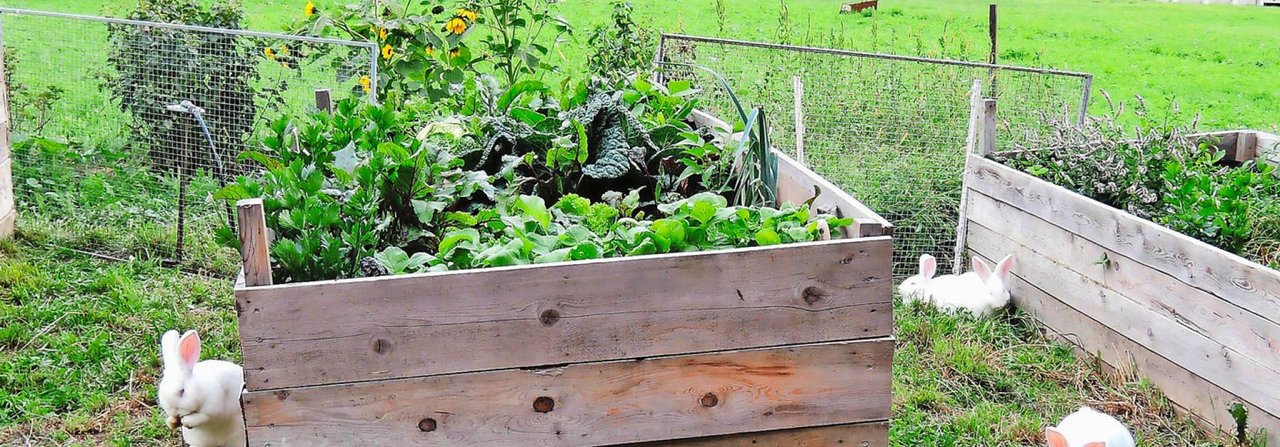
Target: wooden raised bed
(784,345)
(1203,324)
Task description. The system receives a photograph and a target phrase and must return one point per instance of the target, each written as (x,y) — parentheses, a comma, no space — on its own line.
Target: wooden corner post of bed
(8,211)
(254,244)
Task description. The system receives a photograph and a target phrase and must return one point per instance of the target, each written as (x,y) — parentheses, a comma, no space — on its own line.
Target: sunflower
(382,34)
(430,50)
(468,14)
(310,9)
(269,52)
(364,82)
(387,52)
(456,25)
(455,52)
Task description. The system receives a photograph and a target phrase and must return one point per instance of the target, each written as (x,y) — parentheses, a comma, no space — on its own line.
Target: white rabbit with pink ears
(982,291)
(202,397)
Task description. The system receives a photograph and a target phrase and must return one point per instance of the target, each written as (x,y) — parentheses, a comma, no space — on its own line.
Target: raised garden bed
(1203,324)
(779,345)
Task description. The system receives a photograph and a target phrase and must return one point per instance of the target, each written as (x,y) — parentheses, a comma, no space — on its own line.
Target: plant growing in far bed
(1157,172)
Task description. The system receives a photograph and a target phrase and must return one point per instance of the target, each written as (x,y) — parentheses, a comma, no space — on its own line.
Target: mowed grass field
(78,337)
(1218,60)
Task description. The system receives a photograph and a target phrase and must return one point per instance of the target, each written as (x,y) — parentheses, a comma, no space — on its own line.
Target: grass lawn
(1219,60)
(79,339)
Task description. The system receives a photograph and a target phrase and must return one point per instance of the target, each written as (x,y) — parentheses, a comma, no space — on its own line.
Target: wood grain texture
(255,255)
(6,187)
(1191,393)
(796,185)
(6,143)
(8,225)
(594,404)
(1239,281)
(1237,329)
(416,325)
(867,434)
(1179,344)
(989,123)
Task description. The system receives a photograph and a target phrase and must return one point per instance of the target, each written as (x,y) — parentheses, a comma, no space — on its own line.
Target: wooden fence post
(8,211)
(324,100)
(976,127)
(988,128)
(254,243)
(799,106)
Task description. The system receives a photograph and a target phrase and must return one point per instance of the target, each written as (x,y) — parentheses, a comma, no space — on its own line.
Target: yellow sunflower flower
(387,52)
(269,52)
(284,51)
(467,14)
(310,9)
(382,34)
(430,50)
(456,25)
(455,52)
(364,82)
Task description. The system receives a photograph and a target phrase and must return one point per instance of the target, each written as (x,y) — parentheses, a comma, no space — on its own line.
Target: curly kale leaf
(610,129)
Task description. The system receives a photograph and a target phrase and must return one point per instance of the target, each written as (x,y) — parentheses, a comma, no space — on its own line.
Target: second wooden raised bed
(1201,323)
(782,345)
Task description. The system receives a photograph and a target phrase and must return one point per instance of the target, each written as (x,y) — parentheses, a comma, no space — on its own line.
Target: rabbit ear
(189,350)
(1054,437)
(1002,268)
(980,267)
(169,348)
(928,266)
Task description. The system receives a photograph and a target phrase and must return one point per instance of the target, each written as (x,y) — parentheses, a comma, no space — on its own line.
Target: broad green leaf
(767,236)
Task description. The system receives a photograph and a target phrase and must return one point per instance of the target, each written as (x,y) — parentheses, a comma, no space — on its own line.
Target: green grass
(79,355)
(1217,59)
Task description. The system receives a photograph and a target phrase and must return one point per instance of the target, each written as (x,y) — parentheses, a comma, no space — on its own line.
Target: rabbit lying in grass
(202,397)
(981,292)
(1089,428)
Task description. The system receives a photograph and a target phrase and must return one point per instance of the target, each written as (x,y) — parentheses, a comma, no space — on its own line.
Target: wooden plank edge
(1268,279)
(530,268)
(869,364)
(831,194)
(8,225)
(1244,332)
(864,434)
(1204,401)
(1230,373)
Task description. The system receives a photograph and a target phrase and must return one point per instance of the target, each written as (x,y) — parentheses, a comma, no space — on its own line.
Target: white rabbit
(981,291)
(1089,428)
(912,289)
(202,397)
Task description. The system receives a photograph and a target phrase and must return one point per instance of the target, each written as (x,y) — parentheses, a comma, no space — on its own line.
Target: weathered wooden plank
(1242,282)
(590,404)
(8,225)
(415,325)
(6,144)
(1269,147)
(6,186)
(796,184)
(1206,358)
(1239,330)
(255,253)
(868,434)
(1208,402)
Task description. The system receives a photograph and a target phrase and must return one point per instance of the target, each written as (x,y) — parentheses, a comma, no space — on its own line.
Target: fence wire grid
(123,130)
(891,130)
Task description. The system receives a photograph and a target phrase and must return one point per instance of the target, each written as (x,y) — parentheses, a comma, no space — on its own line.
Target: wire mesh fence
(891,130)
(123,130)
